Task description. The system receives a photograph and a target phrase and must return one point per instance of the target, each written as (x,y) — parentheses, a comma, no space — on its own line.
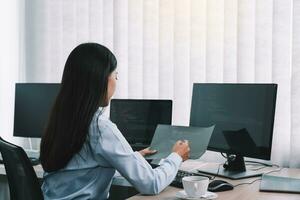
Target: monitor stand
(234,169)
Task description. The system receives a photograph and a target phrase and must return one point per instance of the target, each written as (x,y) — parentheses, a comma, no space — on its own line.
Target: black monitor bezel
(28,135)
(267,155)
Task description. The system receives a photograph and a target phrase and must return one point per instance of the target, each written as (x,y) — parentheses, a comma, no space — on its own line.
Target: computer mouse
(219,186)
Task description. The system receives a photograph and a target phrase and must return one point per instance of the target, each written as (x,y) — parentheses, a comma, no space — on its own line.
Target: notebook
(165,137)
(279,184)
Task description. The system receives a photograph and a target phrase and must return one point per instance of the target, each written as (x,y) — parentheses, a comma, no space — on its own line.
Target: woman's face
(112,81)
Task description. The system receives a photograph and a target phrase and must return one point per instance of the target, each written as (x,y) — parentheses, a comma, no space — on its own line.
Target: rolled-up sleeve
(114,148)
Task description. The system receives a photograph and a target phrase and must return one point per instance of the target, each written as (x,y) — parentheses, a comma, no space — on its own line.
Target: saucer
(208,195)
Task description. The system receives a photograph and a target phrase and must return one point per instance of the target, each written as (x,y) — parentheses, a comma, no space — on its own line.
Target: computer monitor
(244,118)
(137,119)
(33,103)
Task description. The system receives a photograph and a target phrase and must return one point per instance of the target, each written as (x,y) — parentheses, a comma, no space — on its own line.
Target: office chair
(22,180)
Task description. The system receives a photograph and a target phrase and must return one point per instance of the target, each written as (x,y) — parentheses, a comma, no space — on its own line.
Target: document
(165,137)
(275,183)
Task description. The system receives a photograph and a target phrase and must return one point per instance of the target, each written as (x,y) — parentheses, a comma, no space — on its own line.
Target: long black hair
(83,89)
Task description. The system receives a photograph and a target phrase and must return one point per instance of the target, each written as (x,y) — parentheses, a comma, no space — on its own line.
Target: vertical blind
(164,46)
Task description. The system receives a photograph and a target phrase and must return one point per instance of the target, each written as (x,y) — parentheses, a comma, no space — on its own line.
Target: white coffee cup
(195,186)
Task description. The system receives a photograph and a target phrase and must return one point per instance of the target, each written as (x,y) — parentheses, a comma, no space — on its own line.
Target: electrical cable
(225,156)
(259,168)
(217,172)
(261,163)
(253,163)
(277,170)
(247,183)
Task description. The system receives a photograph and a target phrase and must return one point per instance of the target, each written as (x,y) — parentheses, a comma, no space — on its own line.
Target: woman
(81,149)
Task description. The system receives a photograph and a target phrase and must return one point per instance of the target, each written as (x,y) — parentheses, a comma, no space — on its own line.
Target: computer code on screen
(137,119)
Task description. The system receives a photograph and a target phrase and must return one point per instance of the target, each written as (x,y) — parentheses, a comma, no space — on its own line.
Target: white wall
(10,60)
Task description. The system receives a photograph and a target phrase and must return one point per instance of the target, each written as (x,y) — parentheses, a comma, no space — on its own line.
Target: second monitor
(244,119)
(137,119)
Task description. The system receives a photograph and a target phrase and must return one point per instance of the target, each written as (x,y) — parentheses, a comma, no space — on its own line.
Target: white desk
(242,192)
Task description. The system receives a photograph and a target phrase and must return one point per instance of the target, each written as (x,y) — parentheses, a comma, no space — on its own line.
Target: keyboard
(177,182)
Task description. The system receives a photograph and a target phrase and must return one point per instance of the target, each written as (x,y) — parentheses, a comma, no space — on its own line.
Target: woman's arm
(115,149)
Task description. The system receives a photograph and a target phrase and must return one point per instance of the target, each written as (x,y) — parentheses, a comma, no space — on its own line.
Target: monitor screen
(243,115)
(33,103)
(137,119)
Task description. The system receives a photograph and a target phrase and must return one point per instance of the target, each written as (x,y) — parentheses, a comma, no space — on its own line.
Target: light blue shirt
(89,173)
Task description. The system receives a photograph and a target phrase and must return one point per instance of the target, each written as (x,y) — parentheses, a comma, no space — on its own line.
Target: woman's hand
(147,151)
(182,148)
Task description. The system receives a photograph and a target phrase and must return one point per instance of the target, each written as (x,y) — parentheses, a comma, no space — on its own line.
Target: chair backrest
(22,180)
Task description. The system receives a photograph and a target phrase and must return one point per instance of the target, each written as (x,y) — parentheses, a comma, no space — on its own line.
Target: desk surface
(242,192)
